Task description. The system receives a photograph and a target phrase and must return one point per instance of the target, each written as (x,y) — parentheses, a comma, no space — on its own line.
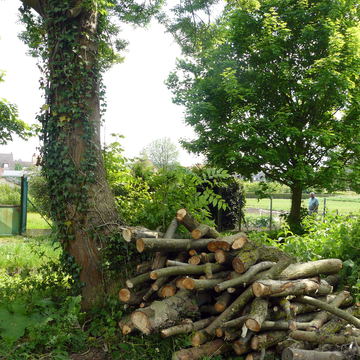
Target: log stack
(233,294)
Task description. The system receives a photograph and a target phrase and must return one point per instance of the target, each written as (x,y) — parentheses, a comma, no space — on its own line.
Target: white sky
(138,103)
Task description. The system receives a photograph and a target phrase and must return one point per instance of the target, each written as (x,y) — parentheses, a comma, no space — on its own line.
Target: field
(340,204)
(35,221)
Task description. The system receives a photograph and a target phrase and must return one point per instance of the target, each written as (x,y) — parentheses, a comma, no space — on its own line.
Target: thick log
(208,270)
(196,284)
(277,288)
(322,338)
(244,279)
(186,328)
(323,316)
(324,306)
(290,312)
(227,243)
(234,324)
(161,312)
(251,253)
(170,245)
(257,314)
(185,270)
(187,220)
(299,354)
(223,301)
(310,269)
(202,258)
(268,339)
(131,234)
(224,257)
(269,354)
(130,298)
(168,289)
(241,349)
(212,348)
(204,230)
(143,268)
(289,342)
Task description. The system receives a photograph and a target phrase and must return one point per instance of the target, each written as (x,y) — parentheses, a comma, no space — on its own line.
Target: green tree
(163,153)
(10,124)
(277,91)
(77,41)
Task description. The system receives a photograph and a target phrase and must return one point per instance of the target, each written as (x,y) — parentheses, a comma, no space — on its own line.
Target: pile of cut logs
(232,294)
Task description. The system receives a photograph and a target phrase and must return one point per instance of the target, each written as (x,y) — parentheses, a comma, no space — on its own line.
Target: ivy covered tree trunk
(82,204)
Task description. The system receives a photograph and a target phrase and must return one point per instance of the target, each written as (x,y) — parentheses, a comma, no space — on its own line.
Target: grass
(18,253)
(340,204)
(36,221)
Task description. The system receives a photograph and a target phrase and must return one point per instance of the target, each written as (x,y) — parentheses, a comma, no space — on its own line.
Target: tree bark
(311,268)
(267,339)
(170,245)
(298,354)
(257,314)
(131,234)
(321,338)
(187,220)
(160,312)
(83,206)
(251,253)
(290,287)
(186,328)
(204,230)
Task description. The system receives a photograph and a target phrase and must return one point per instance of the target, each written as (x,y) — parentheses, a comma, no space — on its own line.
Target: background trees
(278,92)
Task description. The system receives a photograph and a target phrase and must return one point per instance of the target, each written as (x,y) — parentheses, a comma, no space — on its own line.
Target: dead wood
(257,314)
(187,220)
(143,268)
(277,288)
(267,339)
(212,348)
(186,328)
(196,284)
(311,268)
(244,279)
(205,231)
(322,338)
(170,245)
(299,354)
(159,258)
(130,234)
(324,306)
(251,253)
(131,298)
(223,301)
(185,270)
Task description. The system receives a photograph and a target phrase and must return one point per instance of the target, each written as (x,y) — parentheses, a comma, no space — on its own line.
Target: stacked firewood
(232,294)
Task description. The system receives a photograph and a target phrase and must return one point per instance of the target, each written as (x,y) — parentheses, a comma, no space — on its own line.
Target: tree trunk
(295,211)
(83,207)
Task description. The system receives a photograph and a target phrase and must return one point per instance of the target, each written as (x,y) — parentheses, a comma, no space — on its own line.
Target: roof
(7,159)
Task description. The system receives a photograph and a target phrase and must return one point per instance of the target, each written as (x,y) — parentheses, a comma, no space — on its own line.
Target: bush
(10,195)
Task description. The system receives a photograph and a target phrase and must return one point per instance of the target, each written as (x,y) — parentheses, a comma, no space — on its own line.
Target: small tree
(163,153)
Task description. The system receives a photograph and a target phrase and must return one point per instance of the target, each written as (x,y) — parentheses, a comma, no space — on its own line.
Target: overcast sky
(138,103)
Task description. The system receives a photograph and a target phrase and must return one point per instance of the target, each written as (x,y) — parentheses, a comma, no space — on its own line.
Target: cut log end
(180,214)
(124,295)
(188,283)
(140,245)
(253,325)
(127,233)
(220,307)
(238,266)
(141,322)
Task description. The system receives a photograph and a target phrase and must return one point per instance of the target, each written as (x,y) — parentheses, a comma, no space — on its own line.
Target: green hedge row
(251,195)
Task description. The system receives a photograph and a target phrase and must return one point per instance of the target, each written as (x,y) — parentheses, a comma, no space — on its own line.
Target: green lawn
(35,221)
(341,204)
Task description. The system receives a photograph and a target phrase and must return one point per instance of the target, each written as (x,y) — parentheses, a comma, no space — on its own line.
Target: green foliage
(10,124)
(333,236)
(277,92)
(10,195)
(148,203)
(38,193)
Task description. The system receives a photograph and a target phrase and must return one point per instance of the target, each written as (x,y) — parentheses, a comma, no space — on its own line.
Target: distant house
(7,161)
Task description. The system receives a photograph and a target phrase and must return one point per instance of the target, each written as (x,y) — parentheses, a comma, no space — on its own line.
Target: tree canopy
(10,124)
(278,92)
